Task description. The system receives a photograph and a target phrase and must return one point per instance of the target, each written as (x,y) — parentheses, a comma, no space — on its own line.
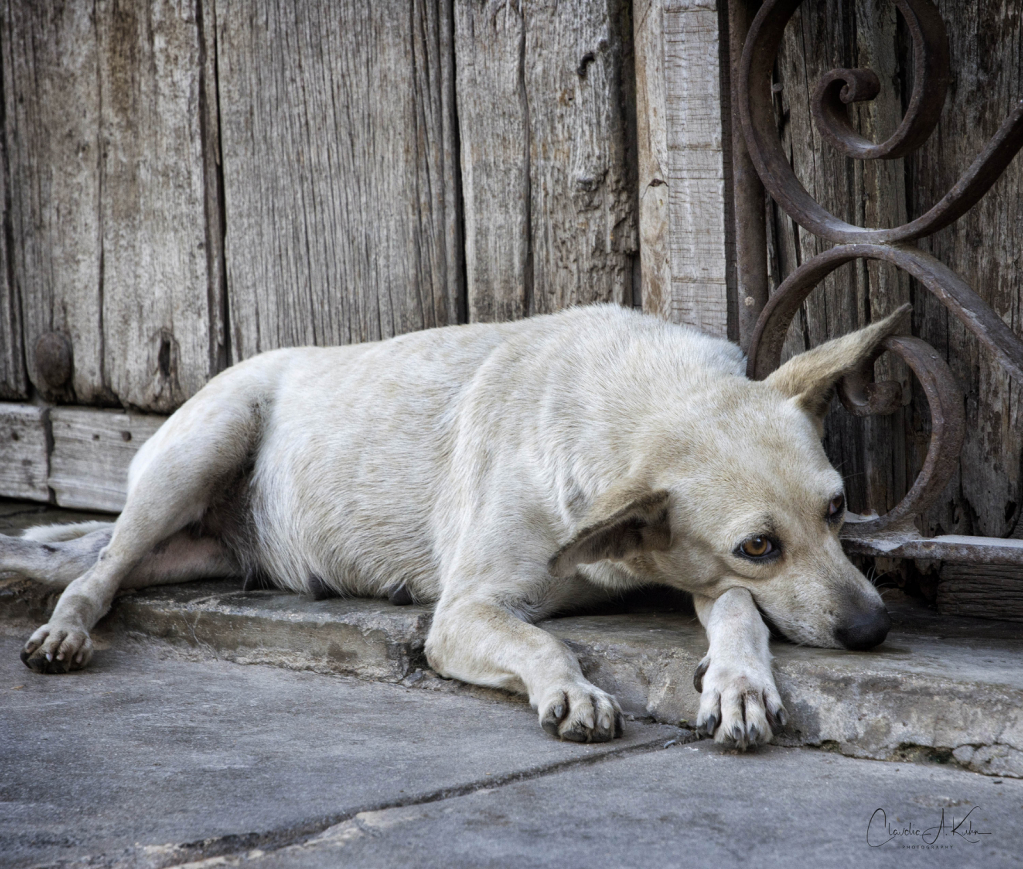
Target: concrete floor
(147,759)
(168,751)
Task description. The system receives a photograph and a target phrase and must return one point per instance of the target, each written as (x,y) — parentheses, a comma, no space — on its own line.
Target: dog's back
(369,457)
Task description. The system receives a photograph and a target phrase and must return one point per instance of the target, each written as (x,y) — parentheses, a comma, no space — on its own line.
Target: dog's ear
(642,525)
(810,378)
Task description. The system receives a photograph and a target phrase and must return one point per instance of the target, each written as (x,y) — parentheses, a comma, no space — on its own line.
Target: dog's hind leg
(174,479)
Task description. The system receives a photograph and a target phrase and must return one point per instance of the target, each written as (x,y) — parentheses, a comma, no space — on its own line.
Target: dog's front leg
(485,644)
(739,702)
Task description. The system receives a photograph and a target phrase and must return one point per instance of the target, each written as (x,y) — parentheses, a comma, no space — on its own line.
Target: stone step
(940,688)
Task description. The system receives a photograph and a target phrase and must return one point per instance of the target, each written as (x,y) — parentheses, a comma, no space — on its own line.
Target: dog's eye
(836,508)
(757,547)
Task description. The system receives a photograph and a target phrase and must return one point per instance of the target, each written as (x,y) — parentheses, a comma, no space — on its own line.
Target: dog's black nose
(864,630)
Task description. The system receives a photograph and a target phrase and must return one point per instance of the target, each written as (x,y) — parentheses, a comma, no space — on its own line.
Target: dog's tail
(62,533)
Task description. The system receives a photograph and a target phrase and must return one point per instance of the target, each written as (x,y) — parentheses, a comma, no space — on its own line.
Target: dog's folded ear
(810,378)
(641,525)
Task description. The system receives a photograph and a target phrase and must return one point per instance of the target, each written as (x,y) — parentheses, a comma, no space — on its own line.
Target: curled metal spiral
(840,87)
(861,396)
(834,92)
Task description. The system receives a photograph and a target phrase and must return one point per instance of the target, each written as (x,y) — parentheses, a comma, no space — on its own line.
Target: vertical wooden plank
(159,328)
(338,156)
(582,187)
(51,93)
(492,124)
(652,135)
(13,379)
(109,197)
(696,165)
(985,247)
(544,92)
(24,457)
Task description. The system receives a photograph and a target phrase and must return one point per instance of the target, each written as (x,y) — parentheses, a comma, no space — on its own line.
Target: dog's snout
(865,629)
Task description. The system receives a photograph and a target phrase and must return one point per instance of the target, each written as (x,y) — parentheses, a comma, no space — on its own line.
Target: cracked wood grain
(544,93)
(340,171)
(110,194)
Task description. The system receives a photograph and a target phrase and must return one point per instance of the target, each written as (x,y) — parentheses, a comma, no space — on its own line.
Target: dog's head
(751,500)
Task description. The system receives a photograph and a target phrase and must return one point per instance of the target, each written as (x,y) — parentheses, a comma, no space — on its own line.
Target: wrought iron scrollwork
(835,91)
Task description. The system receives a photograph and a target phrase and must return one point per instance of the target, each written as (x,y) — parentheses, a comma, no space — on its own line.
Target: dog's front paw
(581,713)
(56,649)
(738,706)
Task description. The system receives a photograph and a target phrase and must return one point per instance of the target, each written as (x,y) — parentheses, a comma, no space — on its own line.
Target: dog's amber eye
(836,507)
(757,547)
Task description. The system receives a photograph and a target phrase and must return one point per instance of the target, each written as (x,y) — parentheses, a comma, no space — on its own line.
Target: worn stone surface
(142,754)
(691,805)
(924,691)
(148,760)
(365,638)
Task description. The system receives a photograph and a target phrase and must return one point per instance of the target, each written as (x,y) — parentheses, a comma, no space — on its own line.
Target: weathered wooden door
(192,184)
(187,185)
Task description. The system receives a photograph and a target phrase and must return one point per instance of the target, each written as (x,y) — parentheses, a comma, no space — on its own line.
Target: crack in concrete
(214,850)
(203,645)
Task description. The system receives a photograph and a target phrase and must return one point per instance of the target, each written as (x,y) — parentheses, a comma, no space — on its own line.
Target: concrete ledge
(366,638)
(940,688)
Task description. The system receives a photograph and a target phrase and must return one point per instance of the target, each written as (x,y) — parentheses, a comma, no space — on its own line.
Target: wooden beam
(91,453)
(24,459)
(652,136)
(981,590)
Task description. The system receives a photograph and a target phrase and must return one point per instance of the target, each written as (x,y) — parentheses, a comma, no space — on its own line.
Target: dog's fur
(503,473)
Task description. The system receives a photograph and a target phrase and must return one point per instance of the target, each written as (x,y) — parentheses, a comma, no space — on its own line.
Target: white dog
(504,473)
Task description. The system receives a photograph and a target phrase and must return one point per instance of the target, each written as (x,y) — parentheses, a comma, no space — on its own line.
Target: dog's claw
(582,713)
(739,706)
(555,715)
(778,718)
(707,725)
(701,669)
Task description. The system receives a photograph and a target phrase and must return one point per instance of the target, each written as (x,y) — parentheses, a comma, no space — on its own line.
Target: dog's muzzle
(864,629)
